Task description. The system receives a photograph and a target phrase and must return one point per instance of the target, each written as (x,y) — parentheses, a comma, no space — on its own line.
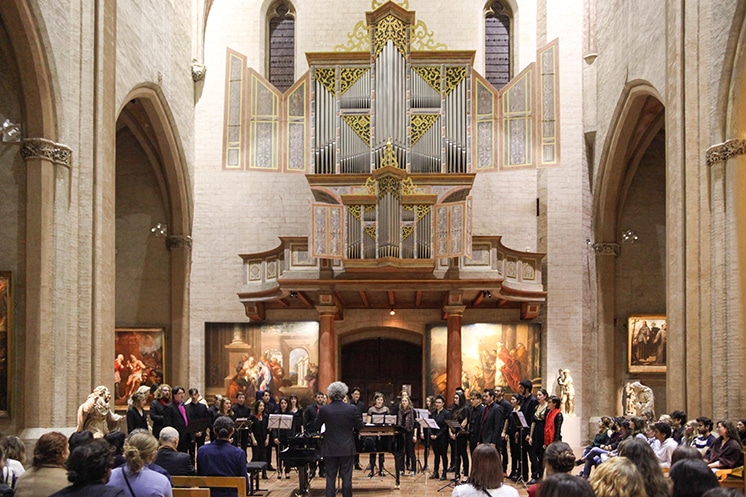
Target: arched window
(281,53)
(498,21)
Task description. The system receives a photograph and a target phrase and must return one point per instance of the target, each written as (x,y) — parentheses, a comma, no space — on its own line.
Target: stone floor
(419,485)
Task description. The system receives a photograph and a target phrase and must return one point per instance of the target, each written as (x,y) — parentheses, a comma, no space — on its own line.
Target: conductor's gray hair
(337,390)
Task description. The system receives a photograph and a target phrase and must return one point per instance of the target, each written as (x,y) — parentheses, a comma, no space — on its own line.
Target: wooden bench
(732,478)
(191,492)
(253,469)
(236,482)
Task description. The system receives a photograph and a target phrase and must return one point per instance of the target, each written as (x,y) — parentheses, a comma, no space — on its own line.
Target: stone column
(601,395)
(42,158)
(180,247)
(454,314)
(327,347)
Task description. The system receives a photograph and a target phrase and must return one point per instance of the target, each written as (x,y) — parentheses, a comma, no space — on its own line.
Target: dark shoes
(435,476)
(443,476)
(358,467)
(532,481)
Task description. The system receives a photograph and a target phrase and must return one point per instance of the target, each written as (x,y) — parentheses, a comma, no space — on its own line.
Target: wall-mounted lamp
(11,132)
(488,294)
(392,312)
(629,236)
(293,294)
(160,230)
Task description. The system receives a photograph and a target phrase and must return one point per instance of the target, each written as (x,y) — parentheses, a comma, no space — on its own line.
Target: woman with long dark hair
(460,456)
(726,452)
(486,476)
(536,435)
(639,452)
(260,435)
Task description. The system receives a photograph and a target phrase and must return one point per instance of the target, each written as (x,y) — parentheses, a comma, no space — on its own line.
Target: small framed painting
(646,343)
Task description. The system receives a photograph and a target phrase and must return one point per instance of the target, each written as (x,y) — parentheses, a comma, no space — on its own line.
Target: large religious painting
(646,343)
(251,357)
(139,360)
(6,322)
(492,354)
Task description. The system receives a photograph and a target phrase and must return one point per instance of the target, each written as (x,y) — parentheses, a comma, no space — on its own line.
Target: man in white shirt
(663,445)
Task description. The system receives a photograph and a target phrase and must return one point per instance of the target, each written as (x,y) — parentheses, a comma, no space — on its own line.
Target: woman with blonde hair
(162,396)
(135,478)
(48,473)
(618,477)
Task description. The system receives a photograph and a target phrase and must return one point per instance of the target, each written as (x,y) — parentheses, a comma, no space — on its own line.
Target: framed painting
(139,359)
(492,354)
(646,343)
(6,328)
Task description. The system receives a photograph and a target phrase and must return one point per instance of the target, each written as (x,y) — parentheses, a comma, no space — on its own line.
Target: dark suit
(492,426)
(506,410)
(341,422)
(528,408)
(220,458)
(157,412)
(174,462)
(440,442)
(172,417)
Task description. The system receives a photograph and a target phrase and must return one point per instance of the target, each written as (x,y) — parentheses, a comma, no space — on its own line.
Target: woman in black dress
(136,417)
(259,435)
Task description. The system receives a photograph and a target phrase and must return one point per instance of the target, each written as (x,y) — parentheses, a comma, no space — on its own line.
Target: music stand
(196,425)
(520,422)
(279,422)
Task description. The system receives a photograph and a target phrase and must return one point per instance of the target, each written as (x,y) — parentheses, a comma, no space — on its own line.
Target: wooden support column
(454,314)
(327,347)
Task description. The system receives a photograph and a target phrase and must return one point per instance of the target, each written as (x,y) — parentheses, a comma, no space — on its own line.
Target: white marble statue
(567,392)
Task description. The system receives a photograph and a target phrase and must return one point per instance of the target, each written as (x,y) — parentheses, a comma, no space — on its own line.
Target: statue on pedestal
(95,415)
(567,392)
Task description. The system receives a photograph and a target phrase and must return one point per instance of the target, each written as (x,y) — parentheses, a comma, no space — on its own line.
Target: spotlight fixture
(629,236)
(293,294)
(160,230)
(392,312)
(11,132)
(488,294)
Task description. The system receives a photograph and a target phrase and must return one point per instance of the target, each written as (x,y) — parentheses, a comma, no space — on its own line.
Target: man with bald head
(169,458)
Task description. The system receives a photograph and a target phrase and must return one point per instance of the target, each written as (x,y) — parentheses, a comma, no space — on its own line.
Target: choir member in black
(136,417)
(280,437)
(162,396)
(424,433)
(310,414)
(196,410)
(506,408)
(512,433)
(536,435)
(177,417)
(460,457)
(260,446)
(405,420)
(528,408)
(241,411)
(475,411)
(270,407)
(214,410)
(297,412)
(361,408)
(451,441)
(379,408)
(439,438)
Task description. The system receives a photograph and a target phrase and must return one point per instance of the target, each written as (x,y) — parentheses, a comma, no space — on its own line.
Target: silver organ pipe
(456,129)
(325,131)
(425,157)
(354,236)
(390,103)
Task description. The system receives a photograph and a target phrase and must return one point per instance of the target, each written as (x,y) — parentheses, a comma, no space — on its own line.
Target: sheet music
(422,413)
(389,419)
(522,419)
(428,423)
(377,419)
(280,421)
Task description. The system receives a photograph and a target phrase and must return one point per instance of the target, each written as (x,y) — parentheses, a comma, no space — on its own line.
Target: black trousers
(342,465)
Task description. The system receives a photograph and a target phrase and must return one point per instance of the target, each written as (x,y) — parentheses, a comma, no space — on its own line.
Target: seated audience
(47,474)
(618,477)
(741,427)
(486,475)
(565,485)
(690,434)
(600,454)
(5,489)
(88,469)
(15,455)
(705,439)
(116,439)
(599,440)
(726,451)
(175,462)
(642,456)
(691,478)
(663,445)
(723,492)
(220,458)
(683,452)
(79,438)
(135,478)
(558,458)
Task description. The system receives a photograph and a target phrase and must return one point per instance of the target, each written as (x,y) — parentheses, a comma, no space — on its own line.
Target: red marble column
(327,347)
(454,313)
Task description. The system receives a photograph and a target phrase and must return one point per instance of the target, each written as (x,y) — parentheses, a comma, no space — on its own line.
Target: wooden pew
(191,492)
(237,482)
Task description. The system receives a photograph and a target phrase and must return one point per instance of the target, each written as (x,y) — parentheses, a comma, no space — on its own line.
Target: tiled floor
(419,485)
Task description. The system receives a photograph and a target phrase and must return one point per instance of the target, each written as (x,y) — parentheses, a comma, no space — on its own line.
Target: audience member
(642,456)
(690,434)
(220,458)
(88,469)
(705,439)
(558,458)
(116,439)
(678,420)
(723,492)
(174,462)
(618,477)
(741,427)
(691,478)
(79,438)
(683,452)
(486,476)
(726,452)
(664,445)
(47,474)
(139,451)
(565,485)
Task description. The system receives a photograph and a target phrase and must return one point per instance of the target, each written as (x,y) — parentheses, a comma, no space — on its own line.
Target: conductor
(342,420)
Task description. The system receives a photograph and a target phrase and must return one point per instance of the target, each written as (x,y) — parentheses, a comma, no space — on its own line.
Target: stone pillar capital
(724,151)
(41,148)
(607,248)
(327,310)
(454,310)
(179,242)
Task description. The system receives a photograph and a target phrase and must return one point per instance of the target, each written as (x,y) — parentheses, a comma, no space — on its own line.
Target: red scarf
(549,426)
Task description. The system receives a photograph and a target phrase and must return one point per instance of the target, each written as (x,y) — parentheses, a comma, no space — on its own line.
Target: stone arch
(638,119)
(146,114)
